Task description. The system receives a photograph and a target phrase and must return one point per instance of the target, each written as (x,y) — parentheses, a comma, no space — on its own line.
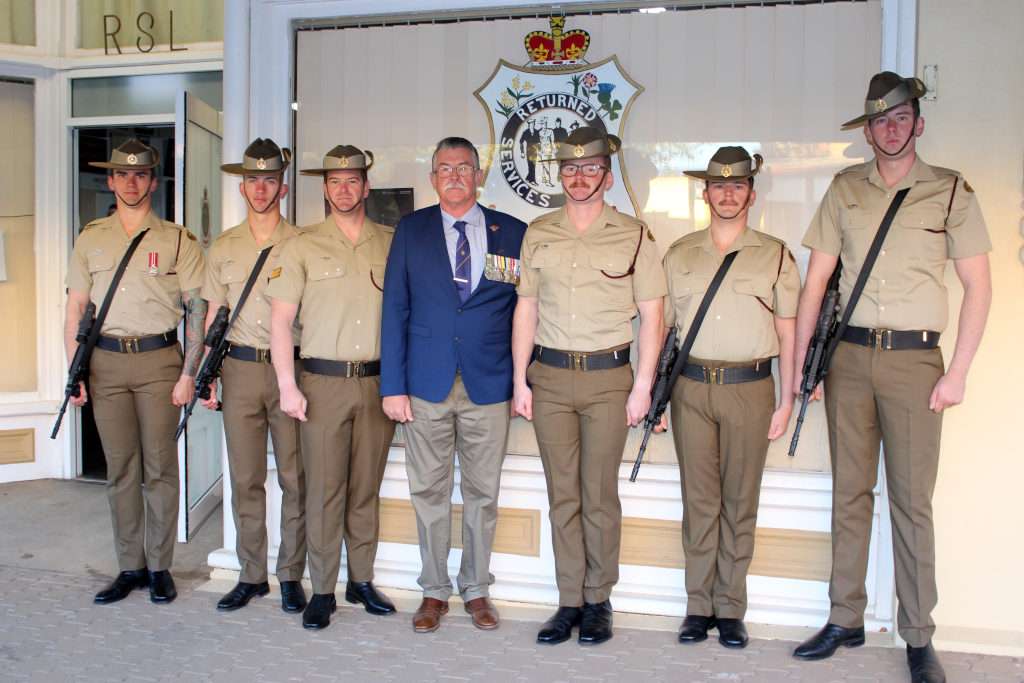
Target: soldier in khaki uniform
(723,406)
(334,273)
(887,381)
(586,270)
(251,397)
(138,376)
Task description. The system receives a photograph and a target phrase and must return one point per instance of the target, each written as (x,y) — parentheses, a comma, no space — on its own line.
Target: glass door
(197,154)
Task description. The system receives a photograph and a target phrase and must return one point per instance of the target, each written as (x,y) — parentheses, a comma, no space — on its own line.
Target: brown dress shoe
(428,615)
(485,615)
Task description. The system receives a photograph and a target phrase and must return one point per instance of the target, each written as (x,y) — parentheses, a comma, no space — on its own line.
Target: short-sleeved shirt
(939,220)
(339,288)
(586,297)
(762,283)
(167,262)
(228,265)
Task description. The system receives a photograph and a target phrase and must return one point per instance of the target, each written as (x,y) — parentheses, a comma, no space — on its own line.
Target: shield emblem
(532,108)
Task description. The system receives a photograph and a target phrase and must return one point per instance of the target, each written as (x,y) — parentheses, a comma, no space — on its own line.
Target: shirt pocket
(231,273)
(924,232)
(326,268)
(98,262)
(610,272)
(686,287)
(858,229)
(758,291)
(546,257)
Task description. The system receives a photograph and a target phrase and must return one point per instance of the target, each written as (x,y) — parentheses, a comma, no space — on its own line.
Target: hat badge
(343,162)
(578,151)
(726,170)
(132,159)
(880,105)
(261,164)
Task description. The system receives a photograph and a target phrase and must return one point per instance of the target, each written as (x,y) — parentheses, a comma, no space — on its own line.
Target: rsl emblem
(534,107)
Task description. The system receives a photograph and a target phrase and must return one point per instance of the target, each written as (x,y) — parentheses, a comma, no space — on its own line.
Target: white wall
(977,126)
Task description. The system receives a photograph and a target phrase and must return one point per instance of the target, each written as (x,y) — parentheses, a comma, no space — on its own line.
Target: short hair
(916,106)
(454,143)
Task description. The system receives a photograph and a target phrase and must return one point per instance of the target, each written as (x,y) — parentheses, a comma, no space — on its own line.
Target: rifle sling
(247,289)
(698,319)
(865,272)
(101,316)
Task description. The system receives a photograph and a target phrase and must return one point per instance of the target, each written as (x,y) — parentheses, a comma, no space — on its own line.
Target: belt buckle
(129,344)
(355,368)
(882,339)
(578,360)
(263,355)
(713,375)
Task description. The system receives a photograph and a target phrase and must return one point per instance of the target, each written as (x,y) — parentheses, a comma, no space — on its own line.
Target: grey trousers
(479,433)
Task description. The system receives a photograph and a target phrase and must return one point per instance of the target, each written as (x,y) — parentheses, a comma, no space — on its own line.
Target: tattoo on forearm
(195,317)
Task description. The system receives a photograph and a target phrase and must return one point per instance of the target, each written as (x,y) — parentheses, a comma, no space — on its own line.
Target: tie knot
(460,227)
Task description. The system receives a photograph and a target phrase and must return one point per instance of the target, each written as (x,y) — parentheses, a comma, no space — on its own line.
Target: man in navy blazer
(446,371)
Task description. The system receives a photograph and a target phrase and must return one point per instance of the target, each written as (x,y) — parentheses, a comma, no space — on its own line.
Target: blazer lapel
(436,232)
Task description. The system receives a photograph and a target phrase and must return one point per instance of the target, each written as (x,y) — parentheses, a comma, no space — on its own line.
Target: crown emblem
(558,48)
(726,170)
(132,160)
(880,105)
(261,164)
(578,151)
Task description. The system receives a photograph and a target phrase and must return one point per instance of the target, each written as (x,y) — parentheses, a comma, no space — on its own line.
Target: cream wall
(977,126)
(17,230)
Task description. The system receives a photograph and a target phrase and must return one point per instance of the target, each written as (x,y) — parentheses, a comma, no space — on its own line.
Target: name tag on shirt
(502,269)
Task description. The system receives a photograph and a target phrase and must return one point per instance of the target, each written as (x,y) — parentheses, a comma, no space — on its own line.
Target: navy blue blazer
(426,332)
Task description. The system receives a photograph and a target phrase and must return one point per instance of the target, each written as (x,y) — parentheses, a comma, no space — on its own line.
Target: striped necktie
(463,263)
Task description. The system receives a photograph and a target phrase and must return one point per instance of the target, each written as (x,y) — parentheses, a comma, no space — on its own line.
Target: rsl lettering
(146,25)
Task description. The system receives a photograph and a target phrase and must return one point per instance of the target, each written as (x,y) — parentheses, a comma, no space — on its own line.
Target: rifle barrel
(799,423)
(640,455)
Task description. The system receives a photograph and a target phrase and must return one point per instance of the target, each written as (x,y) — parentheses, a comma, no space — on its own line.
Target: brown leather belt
(891,340)
(138,344)
(581,360)
(341,368)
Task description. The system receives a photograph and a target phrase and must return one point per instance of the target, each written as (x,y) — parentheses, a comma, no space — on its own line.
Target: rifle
(819,350)
(217,340)
(661,392)
(79,369)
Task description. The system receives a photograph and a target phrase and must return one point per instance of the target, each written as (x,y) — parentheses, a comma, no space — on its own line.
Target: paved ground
(55,552)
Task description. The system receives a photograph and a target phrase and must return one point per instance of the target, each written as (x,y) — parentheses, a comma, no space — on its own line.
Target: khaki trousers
(251,406)
(874,396)
(580,421)
(480,435)
(345,444)
(721,439)
(131,398)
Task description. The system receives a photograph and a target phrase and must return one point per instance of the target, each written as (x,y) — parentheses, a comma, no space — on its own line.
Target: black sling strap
(865,271)
(698,318)
(94,333)
(248,286)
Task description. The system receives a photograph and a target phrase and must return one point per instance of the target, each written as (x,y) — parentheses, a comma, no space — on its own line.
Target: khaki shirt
(339,286)
(229,263)
(586,300)
(762,283)
(167,262)
(906,289)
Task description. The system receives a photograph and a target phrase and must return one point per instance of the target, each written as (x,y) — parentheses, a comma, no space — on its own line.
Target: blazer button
(458,310)
(457,340)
